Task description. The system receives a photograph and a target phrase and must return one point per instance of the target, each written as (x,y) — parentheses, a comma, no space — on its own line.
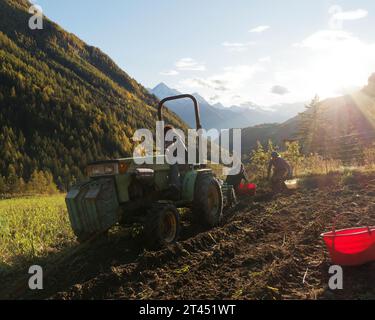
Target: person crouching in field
(281,172)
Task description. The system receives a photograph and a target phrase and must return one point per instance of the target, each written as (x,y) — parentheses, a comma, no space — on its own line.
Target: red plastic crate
(247,189)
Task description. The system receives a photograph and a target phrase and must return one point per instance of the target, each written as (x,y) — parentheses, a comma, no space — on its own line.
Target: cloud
(338,16)
(280,90)
(231,81)
(326,39)
(335,37)
(237,46)
(327,61)
(351,15)
(265,59)
(215,98)
(259,29)
(189,64)
(169,73)
(338,42)
(208,83)
(230,78)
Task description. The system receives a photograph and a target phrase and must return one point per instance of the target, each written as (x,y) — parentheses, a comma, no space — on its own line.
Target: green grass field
(32,227)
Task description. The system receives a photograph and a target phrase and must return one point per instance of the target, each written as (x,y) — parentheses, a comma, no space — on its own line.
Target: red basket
(247,189)
(351,247)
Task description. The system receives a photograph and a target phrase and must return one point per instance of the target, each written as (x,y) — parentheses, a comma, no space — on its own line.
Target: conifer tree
(308,126)
(2,185)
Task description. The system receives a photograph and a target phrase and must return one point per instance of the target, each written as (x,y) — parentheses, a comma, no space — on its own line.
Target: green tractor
(122,192)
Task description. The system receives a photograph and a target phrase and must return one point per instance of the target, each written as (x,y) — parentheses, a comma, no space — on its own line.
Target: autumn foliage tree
(293,155)
(41,183)
(260,158)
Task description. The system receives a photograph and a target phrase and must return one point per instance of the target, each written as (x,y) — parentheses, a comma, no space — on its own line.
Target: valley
(109,228)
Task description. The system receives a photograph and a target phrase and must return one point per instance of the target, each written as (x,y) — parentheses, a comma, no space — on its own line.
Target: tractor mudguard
(188,186)
(93,207)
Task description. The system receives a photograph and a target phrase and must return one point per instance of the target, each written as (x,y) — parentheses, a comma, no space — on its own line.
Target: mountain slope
(62,103)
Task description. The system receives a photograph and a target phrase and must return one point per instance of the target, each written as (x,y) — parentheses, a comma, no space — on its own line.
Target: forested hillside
(63,103)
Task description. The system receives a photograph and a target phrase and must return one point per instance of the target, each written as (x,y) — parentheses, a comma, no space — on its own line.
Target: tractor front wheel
(162,225)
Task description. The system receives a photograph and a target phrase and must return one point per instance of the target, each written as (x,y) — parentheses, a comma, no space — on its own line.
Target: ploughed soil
(269,247)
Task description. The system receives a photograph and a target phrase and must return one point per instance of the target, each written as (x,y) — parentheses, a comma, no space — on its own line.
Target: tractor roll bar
(182,96)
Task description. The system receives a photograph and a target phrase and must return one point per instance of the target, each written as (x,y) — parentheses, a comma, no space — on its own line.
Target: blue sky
(232,51)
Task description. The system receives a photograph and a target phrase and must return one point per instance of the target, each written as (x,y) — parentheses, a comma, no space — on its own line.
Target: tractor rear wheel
(162,225)
(208,201)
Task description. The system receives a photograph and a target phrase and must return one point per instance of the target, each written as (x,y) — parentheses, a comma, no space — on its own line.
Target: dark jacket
(280,167)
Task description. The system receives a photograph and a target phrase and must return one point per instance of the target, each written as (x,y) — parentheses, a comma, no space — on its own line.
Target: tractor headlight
(109,169)
(103,169)
(95,171)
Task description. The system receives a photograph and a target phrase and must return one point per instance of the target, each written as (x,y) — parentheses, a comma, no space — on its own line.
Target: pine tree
(12,180)
(13,92)
(50,186)
(308,126)
(35,185)
(21,186)
(2,185)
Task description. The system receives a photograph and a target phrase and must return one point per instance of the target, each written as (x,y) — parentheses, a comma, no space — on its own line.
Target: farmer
(281,172)
(174,175)
(236,179)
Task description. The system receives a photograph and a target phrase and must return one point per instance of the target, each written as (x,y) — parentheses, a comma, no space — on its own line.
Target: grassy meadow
(32,227)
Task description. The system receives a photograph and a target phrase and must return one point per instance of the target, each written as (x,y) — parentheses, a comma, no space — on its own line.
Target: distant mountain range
(220,117)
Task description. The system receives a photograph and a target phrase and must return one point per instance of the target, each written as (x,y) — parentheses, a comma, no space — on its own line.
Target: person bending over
(281,172)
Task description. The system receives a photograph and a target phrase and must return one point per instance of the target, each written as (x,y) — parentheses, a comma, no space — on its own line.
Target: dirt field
(269,248)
